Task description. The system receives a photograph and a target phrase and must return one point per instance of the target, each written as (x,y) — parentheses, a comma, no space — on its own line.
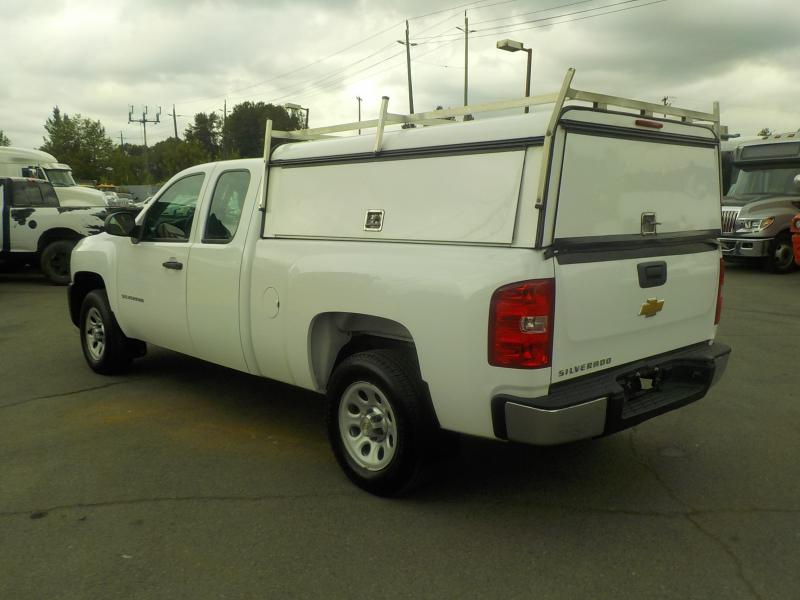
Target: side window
(170,217)
(48,194)
(27,194)
(226,207)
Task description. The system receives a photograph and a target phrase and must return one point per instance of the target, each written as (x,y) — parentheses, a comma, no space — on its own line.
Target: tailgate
(634,240)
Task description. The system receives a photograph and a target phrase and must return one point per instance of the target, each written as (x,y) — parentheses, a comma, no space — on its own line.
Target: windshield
(755,180)
(60,177)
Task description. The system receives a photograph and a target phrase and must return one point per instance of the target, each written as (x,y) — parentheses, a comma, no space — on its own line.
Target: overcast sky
(96,58)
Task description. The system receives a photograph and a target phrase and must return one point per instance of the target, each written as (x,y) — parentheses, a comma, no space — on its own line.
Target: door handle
(652,274)
(173,264)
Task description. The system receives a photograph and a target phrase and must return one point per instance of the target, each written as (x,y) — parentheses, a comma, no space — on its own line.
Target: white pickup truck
(541,278)
(35,228)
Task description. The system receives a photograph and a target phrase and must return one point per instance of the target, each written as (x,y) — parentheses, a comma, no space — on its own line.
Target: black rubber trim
(634,133)
(652,136)
(688,375)
(6,218)
(408,153)
(621,247)
(545,195)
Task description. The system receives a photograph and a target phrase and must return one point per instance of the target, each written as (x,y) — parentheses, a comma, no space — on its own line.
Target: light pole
(514,46)
(359,111)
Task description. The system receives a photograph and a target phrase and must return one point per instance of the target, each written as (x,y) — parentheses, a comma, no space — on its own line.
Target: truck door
(215,260)
(634,229)
(151,275)
(32,209)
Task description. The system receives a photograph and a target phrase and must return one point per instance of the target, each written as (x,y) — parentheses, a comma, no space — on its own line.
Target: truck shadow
(242,405)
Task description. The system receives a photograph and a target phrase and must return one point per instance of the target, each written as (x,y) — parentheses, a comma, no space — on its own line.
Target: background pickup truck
(35,228)
(542,278)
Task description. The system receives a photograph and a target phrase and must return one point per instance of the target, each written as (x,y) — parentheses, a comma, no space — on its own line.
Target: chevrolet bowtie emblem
(651,307)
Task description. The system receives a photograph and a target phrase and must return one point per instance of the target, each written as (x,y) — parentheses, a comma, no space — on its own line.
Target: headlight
(753,225)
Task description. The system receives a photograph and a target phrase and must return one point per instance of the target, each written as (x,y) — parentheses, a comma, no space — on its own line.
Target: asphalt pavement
(182,479)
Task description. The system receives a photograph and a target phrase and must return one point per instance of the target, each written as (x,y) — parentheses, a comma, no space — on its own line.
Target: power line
(338,52)
(539,20)
(334,79)
(441,43)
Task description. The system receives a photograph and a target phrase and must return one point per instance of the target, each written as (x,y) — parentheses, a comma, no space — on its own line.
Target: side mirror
(121,224)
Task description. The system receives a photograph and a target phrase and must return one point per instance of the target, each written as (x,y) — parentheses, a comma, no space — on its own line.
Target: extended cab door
(634,213)
(215,261)
(33,207)
(151,274)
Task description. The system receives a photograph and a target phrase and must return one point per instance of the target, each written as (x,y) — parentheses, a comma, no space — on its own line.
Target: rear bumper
(747,247)
(613,400)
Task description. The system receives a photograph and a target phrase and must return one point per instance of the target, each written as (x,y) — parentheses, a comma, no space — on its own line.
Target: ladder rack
(446,116)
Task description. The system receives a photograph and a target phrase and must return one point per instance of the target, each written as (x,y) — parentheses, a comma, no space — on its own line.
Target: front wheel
(107,350)
(378,425)
(55,261)
(781,256)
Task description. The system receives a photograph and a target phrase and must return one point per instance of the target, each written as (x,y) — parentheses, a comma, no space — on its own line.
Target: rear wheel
(378,425)
(107,350)
(55,261)
(781,256)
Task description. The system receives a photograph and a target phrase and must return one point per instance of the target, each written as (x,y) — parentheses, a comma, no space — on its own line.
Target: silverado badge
(650,307)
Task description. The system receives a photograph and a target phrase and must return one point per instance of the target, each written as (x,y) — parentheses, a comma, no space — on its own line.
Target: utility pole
(121,140)
(174,121)
(144,120)
(466,31)
(408,45)
(359,111)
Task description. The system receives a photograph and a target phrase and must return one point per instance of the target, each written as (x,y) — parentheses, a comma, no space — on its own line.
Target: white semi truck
(22,162)
(541,278)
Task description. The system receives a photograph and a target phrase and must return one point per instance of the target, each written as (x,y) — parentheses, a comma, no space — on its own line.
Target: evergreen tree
(80,142)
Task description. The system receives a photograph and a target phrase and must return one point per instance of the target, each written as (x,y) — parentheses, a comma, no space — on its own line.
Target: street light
(514,46)
(293,106)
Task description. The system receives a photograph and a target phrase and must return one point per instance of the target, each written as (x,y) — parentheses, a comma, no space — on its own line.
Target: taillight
(795,225)
(719,291)
(521,325)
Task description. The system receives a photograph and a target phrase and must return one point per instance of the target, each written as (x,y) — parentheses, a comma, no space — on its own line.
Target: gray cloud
(95,57)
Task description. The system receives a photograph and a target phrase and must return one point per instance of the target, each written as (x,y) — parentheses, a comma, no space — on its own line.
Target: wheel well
(335,336)
(59,233)
(84,283)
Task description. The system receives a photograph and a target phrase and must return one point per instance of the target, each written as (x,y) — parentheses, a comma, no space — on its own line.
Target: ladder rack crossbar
(447,115)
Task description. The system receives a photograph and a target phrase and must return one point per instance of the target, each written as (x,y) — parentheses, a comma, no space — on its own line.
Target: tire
(379,425)
(105,348)
(781,255)
(55,261)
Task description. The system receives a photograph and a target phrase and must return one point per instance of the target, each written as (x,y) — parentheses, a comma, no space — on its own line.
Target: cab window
(27,194)
(226,207)
(170,217)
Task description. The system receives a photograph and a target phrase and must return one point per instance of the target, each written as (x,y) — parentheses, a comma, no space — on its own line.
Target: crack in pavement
(50,396)
(691,513)
(134,501)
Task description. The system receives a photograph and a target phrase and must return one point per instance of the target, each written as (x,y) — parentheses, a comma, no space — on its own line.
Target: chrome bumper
(612,400)
(746,247)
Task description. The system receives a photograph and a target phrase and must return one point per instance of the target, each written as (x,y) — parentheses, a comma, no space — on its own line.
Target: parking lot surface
(182,479)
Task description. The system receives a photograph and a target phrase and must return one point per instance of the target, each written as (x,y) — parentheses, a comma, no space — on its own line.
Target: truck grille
(729,220)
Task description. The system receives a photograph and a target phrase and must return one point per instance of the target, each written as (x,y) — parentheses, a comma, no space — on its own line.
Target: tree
(244,128)
(765,131)
(205,131)
(80,142)
(4,141)
(170,156)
